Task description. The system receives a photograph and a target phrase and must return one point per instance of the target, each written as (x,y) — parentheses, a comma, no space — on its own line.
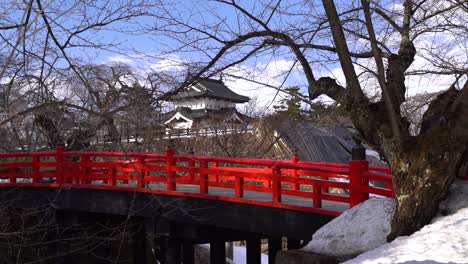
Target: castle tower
(206,104)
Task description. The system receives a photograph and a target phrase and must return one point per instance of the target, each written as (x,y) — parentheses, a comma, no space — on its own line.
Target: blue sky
(148,50)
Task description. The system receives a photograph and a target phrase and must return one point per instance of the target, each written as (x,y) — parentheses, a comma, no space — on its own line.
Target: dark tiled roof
(210,88)
(319,143)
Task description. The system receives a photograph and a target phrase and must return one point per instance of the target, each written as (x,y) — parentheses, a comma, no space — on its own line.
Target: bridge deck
(248,195)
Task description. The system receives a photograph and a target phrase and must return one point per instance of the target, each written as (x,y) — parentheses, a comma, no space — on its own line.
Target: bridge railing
(173,174)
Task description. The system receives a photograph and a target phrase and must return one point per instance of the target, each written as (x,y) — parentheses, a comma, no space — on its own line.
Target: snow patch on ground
(357,230)
(457,198)
(240,255)
(445,240)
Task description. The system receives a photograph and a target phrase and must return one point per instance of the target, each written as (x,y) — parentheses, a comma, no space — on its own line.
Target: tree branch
(388,19)
(361,55)
(393,109)
(461,98)
(356,95)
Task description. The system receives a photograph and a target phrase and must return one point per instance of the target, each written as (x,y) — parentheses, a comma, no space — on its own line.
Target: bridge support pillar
(274,245)
(171,251)
(253,251)
(218,251)
(138,243)
(293,243)
(56,225)
(188,253)
(149,240)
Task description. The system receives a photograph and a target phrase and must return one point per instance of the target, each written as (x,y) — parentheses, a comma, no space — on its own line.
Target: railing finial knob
(358,152)
(191,151)
(295,152)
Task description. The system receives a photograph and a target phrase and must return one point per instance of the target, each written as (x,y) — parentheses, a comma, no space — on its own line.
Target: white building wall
(205,103)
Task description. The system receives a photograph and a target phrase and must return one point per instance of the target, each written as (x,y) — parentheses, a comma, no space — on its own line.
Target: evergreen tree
(290,106)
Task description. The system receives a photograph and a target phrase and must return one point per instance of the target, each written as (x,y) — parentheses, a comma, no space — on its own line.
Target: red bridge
(289,184)
(239,198)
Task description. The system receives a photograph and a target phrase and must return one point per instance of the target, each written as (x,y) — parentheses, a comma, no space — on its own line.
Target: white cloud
(168,63)
(268,76)
(120,59)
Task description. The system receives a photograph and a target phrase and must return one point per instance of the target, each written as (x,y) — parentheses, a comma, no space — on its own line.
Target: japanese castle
(206,105)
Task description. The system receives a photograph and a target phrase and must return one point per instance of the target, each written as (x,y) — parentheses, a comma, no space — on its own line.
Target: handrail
(283,179)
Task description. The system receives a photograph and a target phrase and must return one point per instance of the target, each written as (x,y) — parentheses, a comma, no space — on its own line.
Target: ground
(349,234)
(240,255)
(445,240)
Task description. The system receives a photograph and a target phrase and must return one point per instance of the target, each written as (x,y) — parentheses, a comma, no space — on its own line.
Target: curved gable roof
(209,88)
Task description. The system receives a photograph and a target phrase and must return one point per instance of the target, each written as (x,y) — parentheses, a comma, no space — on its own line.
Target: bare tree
(43,48)
(375,45)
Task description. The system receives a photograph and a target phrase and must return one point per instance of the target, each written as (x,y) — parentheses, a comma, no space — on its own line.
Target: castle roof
(210,88)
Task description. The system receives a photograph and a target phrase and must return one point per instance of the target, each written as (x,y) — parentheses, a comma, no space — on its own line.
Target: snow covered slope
(445,240)
(357,230)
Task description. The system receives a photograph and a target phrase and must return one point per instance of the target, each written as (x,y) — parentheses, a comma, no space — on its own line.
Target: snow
(456,199)
(365,228)
(445,240)
(240,255)
(357,230)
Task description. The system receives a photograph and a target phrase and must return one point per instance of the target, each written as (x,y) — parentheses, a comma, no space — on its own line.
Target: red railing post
(239,186)
(356,181)
(295,185)
(215,165)
(13,175)
(203,177)
(276,184)
(112,176)
(59,159)
(266,183)
(35,168)
(191,174)
(141,172)
(84,160)
(170,175)
(324,188)
(364,179)
(317,195)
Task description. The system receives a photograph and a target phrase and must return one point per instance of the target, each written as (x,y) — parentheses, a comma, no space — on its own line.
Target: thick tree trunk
(425,165)
(49,129)
(421,180)
(112,129)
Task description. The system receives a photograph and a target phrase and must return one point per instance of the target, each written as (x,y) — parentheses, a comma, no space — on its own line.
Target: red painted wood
(35,168)
(170,175)
(276,185)
(141,172)
(59,167)
(191,172)
(214,165)
(295,185)
(310,180)
(203,177)
(12,170)
(84,160)
(357,169)
(113,176)
(239,187)
(317,195)
(324,188)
